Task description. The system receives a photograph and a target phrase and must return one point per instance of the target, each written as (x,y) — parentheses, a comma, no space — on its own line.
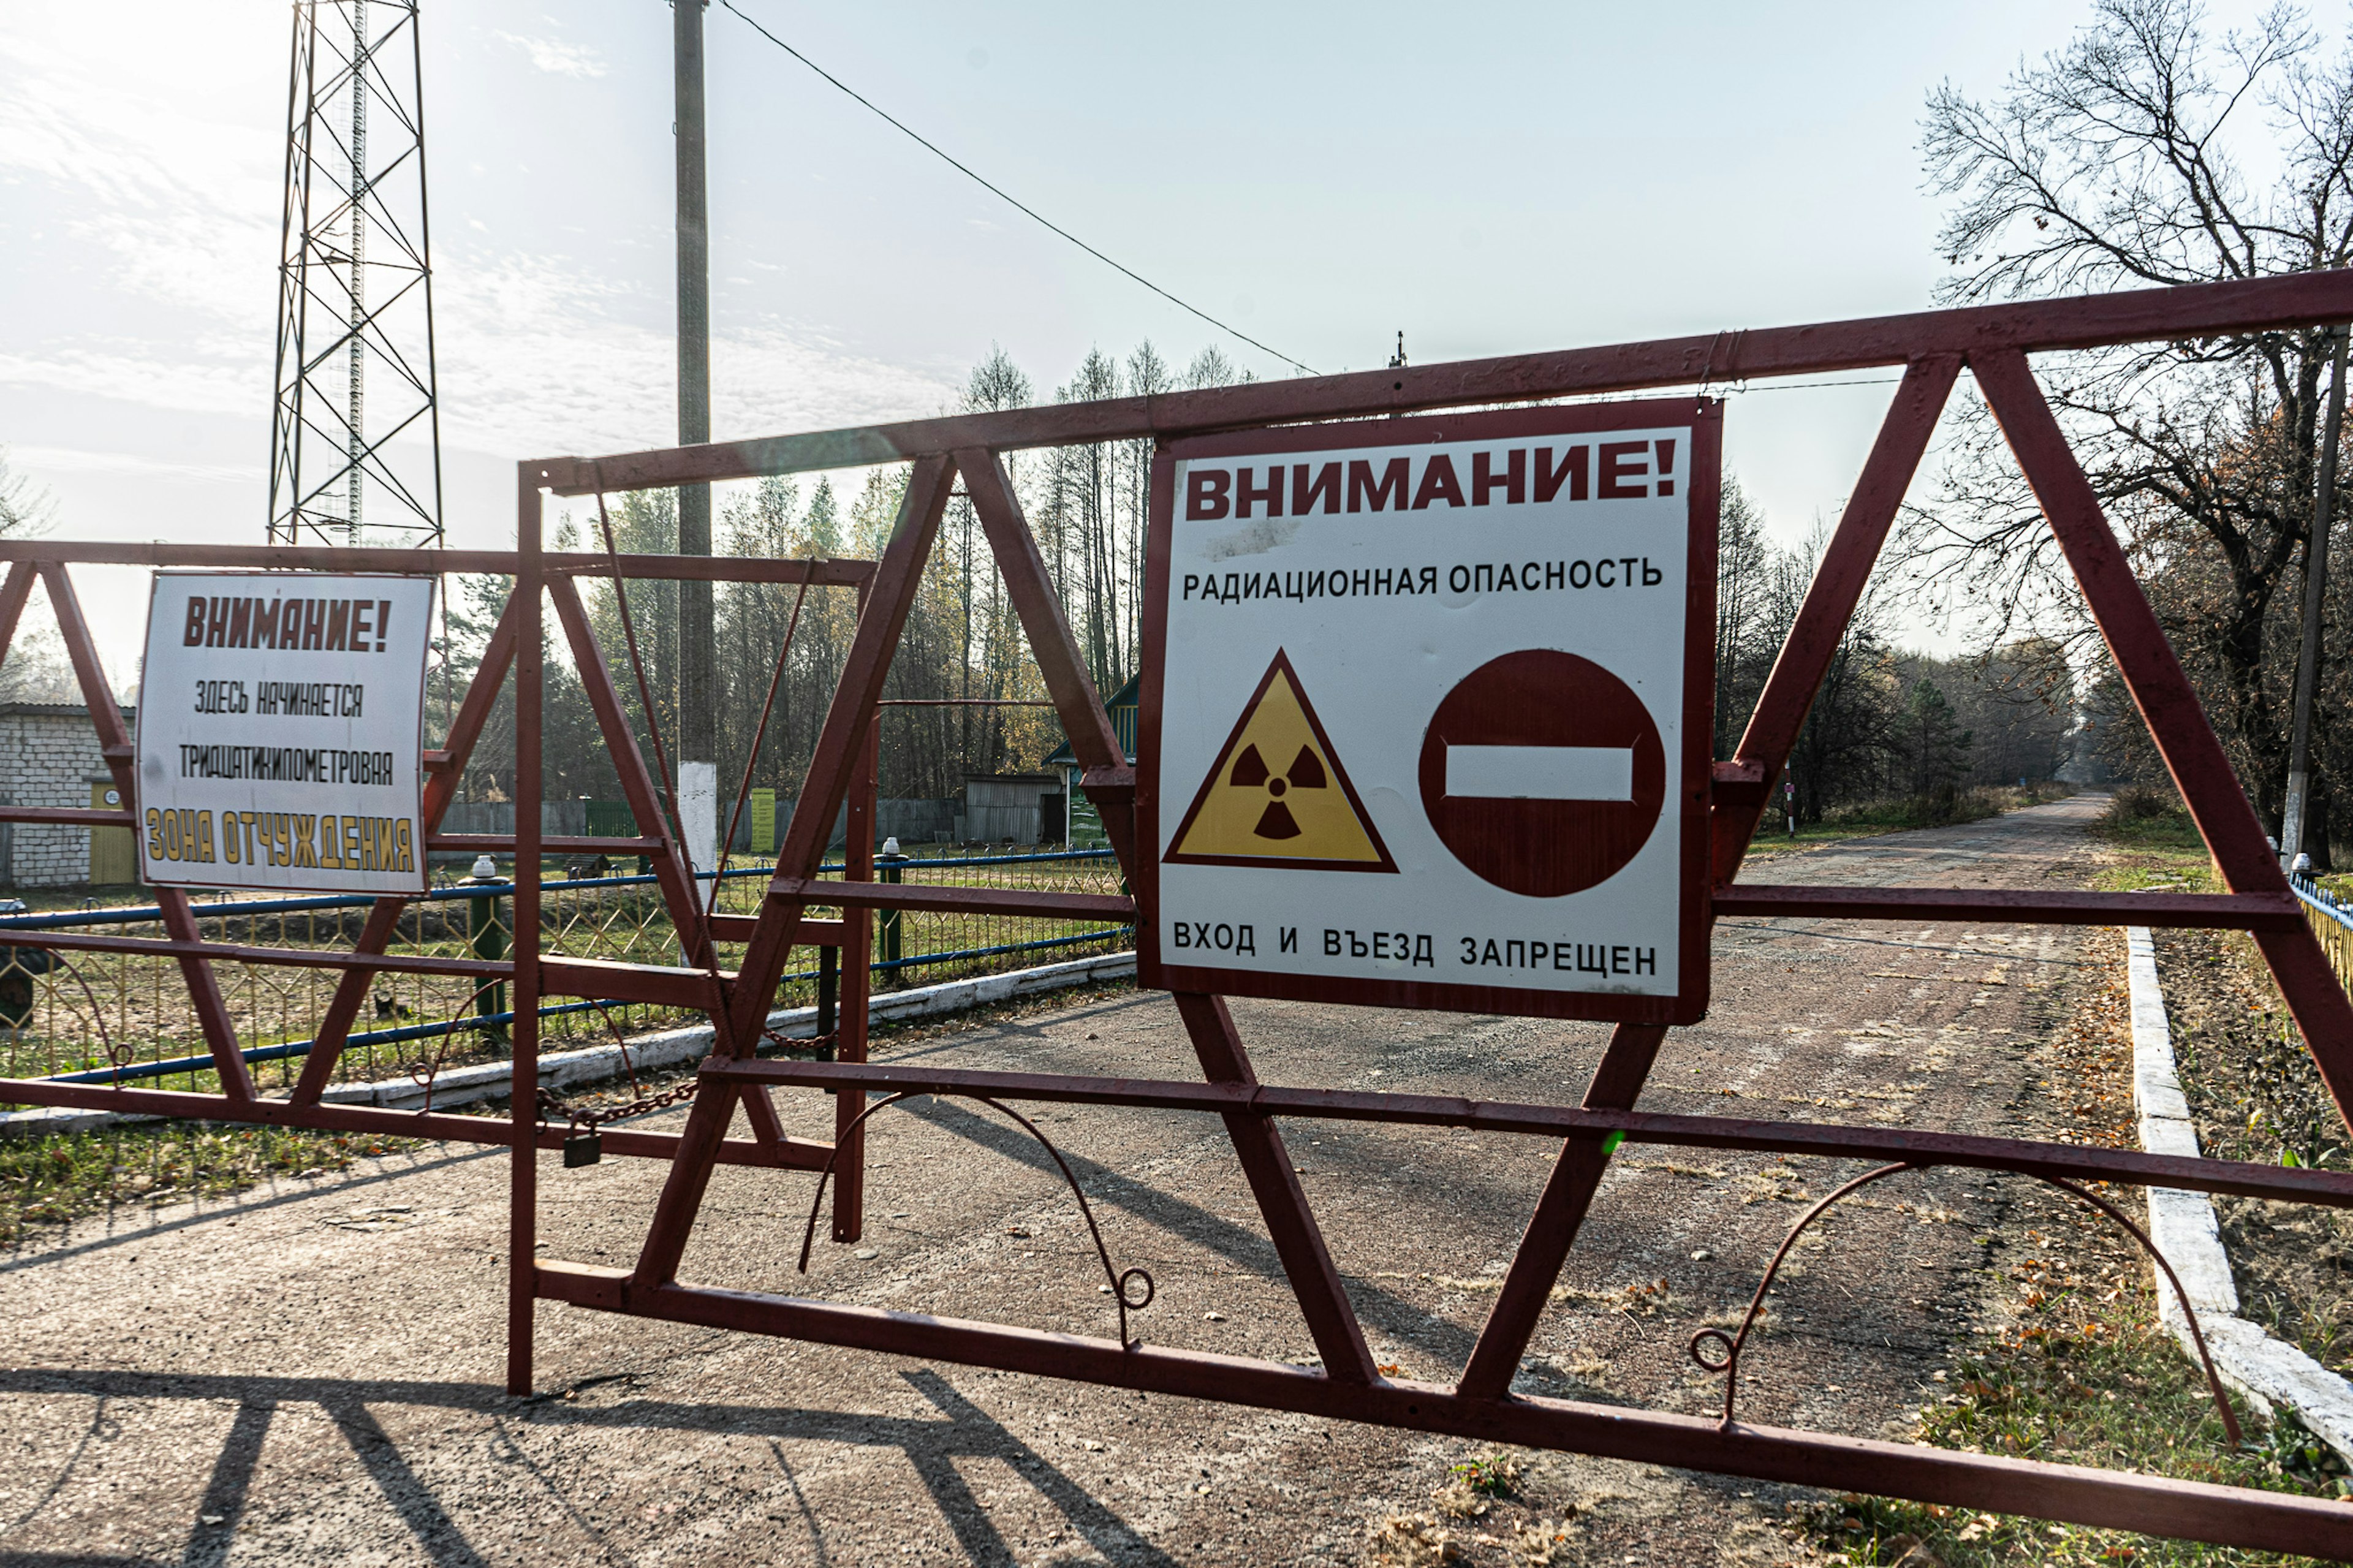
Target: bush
(2142,803)
(2147,816)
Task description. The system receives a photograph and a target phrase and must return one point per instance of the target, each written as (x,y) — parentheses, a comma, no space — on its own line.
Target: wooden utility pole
(698,702)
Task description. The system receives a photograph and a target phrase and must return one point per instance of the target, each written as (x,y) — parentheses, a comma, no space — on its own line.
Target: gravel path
(312,1374)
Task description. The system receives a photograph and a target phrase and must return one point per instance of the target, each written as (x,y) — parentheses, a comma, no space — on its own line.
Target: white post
(698,817)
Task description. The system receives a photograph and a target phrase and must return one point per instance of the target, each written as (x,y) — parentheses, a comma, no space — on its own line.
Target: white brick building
(49,756)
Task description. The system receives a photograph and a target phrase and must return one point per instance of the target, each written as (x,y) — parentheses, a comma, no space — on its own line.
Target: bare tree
(37,670)
(2121,160)
(25,507)
(1746,639)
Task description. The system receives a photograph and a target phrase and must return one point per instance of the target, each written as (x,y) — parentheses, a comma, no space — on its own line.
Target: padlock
(583,1148)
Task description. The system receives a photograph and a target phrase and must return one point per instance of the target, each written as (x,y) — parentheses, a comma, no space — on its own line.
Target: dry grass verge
(2073,1366)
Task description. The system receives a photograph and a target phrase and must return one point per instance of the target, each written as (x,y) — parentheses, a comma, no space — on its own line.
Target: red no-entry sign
(1543,773)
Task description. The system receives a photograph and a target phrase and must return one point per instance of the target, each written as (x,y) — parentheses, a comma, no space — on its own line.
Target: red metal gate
(1933,348)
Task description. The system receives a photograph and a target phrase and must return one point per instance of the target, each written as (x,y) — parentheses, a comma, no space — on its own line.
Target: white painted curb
(600,1064)
(2182,1225)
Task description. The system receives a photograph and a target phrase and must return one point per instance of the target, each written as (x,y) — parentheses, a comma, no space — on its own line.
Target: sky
(1487,179)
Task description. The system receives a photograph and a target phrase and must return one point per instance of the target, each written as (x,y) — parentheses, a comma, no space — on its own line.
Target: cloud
(540,356)
(76,461)
(156,375)
(178,198)
(558,59)
(156,211)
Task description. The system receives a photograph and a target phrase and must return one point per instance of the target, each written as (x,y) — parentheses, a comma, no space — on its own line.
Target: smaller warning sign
(1277,795)
(288,752)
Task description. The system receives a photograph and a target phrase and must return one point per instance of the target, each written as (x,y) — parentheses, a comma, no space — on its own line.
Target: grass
(2078,1379)
(2172,831)
(2151,843)
(53,1180)
(2141,817)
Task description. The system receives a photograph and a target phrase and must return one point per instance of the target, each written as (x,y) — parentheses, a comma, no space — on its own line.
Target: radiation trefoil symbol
(1305,773)
(1305,816)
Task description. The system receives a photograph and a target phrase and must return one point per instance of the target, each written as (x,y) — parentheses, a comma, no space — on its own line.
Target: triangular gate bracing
(2258,899)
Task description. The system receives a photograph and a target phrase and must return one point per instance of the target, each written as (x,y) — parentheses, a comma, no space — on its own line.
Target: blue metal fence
(2331,922)
(233,909)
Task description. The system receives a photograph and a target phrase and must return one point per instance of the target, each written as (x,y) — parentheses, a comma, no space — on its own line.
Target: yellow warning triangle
(1277,795)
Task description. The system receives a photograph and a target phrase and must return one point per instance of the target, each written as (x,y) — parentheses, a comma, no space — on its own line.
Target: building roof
(53,710)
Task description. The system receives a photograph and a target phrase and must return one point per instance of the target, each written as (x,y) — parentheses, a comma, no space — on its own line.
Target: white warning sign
(281,736)
(1425,711)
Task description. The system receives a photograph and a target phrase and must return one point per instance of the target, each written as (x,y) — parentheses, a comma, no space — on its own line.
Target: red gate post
(523,1104)
(850,1015)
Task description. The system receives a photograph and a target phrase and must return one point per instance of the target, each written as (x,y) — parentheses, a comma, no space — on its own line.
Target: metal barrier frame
(1931,347)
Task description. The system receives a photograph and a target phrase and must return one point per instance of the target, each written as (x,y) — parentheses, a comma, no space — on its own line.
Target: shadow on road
(933,1449)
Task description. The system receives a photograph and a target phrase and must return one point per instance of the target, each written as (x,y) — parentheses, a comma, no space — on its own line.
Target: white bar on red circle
(1541,772)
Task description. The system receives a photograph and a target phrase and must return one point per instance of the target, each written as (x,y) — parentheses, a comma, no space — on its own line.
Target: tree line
(1889,726)
(963,644)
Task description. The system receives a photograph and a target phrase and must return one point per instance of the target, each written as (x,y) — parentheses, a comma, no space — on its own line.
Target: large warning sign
(1426,708)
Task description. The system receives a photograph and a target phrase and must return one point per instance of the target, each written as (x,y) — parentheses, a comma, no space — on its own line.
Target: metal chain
(553,1107)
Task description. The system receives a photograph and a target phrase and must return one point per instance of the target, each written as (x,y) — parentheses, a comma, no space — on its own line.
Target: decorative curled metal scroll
(117,1057)
(1733,1344)
(424,1071)
(1118,1278)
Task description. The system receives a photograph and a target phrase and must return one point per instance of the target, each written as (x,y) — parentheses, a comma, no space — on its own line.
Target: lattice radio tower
(355,289)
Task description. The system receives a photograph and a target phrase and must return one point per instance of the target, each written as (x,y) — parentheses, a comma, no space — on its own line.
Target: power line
(998,192)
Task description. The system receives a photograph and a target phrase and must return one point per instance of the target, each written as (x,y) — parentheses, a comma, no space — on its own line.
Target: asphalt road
(313,1373)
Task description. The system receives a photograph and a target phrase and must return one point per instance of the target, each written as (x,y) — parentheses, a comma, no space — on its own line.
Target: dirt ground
(313,1374)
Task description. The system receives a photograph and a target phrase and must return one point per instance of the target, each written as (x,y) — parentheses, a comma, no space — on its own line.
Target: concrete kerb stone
(564,1070)
(2183,1228)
